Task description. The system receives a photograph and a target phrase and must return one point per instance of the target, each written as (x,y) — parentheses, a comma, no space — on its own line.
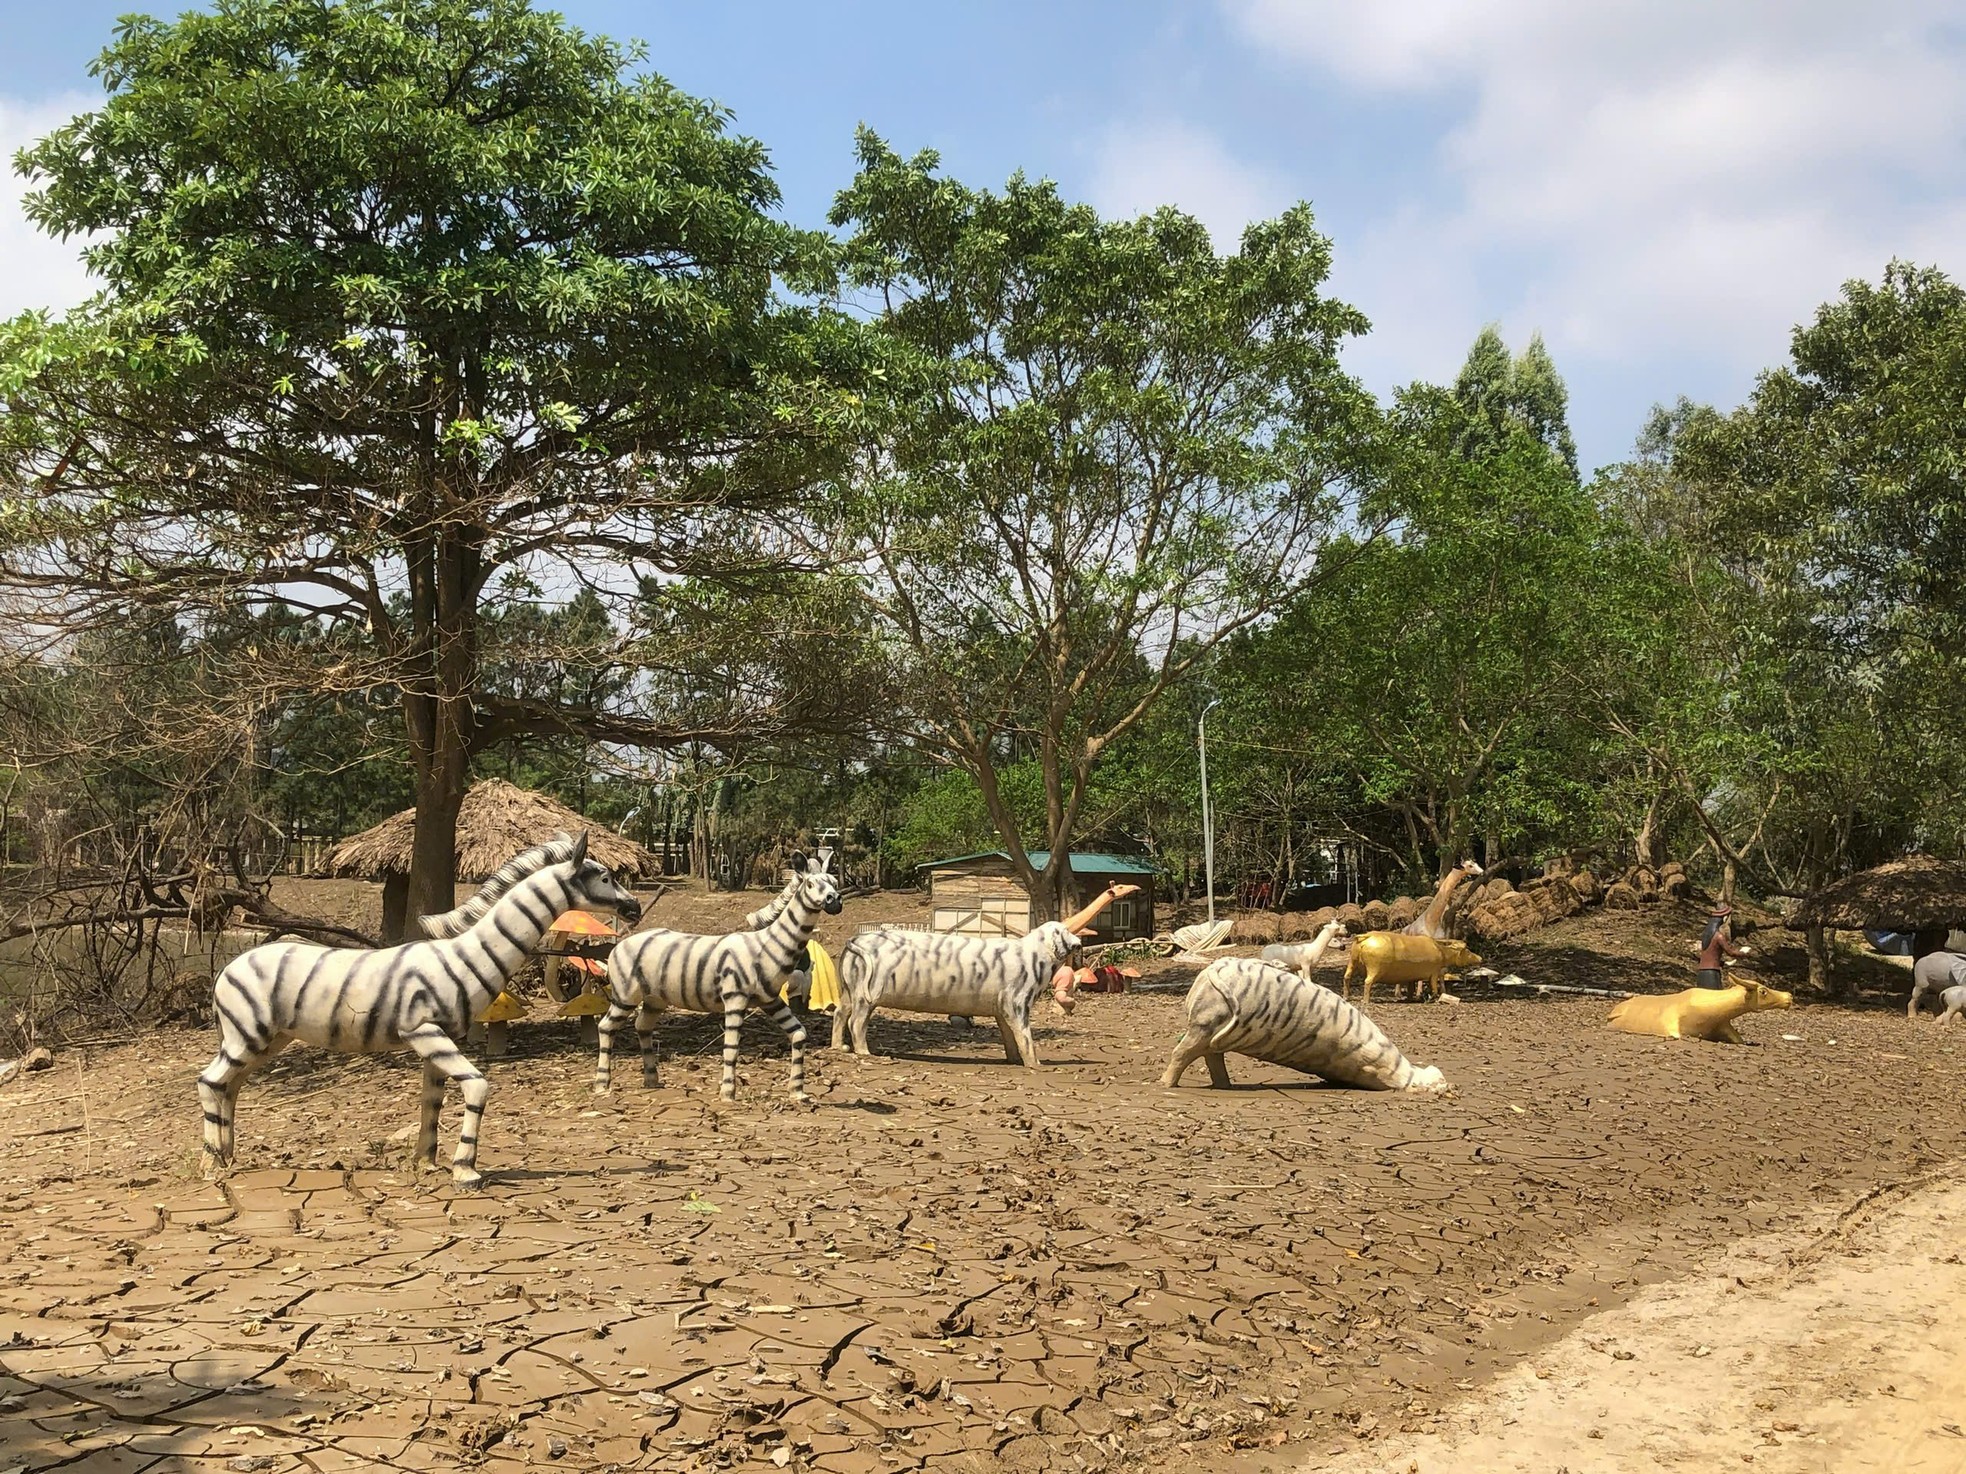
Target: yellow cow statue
(1396,957)
(1697,1013)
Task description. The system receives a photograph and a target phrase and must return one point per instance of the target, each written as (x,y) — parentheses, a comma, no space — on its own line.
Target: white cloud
(1138,169)
(36,270)
(1647,177)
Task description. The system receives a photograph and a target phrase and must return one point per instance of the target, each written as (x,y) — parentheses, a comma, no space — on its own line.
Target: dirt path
(943,1264)
(1839,1351)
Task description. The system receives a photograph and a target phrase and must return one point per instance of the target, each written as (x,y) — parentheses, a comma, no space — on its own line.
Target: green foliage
(1439,669)
(1829,509)
(1502,396)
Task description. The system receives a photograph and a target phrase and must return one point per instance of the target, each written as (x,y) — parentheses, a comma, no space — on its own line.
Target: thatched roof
(496,822)
(1905,895)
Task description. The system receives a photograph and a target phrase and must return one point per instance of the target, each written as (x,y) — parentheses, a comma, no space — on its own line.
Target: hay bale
(1353,916)
(1403,912)
(1621,897)
(1491,891)
(1255,928)
(495,822)
(1296,927)
(1508,915)
(1554,901)
(1377,915)
(1589,892)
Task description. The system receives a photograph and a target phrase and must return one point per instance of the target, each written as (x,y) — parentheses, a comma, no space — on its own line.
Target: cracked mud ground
(944,1263)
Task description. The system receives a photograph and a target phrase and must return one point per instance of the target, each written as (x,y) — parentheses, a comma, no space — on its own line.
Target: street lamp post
(1207,815)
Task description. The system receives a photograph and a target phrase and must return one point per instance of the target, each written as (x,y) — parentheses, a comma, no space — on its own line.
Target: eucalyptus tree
(408,306)
(1111,448)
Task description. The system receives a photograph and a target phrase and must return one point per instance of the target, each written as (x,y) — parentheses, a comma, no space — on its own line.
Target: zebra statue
(763,917)
(798,987)
(421,996)
(456,923)
(656,970)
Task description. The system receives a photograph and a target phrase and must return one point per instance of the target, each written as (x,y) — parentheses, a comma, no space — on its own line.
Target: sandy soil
(1837,1350)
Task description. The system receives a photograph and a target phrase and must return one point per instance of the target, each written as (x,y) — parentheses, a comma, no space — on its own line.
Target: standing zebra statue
(456,923)
(421,996)
(656,970)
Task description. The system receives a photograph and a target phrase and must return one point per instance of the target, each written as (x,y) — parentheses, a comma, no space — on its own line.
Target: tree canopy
(408,308)
(1111,448)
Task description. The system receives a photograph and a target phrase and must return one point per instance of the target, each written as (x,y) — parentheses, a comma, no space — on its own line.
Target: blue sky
(1663,188)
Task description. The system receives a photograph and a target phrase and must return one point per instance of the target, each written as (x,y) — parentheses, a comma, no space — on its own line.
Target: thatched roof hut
(496,821)
(1915,894)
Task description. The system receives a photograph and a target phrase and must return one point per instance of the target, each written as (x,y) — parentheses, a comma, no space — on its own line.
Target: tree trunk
(1823,977)
(437,709)
(395,908)
(1048,895)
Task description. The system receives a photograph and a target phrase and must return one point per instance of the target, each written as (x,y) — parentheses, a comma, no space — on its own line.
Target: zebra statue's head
(816,887)
(592,884)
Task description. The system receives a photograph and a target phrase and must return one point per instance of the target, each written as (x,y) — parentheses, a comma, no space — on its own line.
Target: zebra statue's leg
(734,1009)
(604,1057)
(651,1055)
(795,1031)
(439,1053)
(1020,1035)
(218,1094)
(863,1010)
(429,1107)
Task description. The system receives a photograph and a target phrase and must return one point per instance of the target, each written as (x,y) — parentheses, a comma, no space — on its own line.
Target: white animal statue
(968,977)
(1301,957)
(1243,1006)
(422,996)
(1935,972)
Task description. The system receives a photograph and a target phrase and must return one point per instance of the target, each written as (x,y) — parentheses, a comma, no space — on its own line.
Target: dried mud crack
(942,1264)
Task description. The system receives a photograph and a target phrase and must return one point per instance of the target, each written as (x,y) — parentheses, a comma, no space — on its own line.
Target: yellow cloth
(825,981)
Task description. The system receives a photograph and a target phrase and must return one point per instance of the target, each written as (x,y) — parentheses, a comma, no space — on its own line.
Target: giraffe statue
(1433,921)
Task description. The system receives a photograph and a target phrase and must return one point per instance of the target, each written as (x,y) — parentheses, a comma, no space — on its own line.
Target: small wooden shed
(980,894)
(496,821)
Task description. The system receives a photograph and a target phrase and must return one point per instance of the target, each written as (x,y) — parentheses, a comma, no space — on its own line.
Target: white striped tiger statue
(1243,1006)
(655,970)
(457,923)
(969,977)
(420,995)
(965,977)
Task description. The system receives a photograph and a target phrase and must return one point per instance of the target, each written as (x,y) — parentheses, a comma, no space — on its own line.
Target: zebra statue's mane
(456,923)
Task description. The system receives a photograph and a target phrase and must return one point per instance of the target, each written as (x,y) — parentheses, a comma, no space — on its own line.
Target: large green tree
(1436,670)
(408,304)
(1113,448)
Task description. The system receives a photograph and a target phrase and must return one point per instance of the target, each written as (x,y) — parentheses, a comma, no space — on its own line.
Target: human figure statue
(1713,943)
